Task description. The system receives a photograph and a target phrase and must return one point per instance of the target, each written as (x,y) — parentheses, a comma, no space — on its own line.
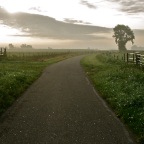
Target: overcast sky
(68,23)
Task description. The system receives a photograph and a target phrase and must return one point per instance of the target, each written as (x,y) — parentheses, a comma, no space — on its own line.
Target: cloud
(134,6)
(34,25)
(130,6)
(73,21)
(38,9)
(89,5)
(3,14)
(1,21)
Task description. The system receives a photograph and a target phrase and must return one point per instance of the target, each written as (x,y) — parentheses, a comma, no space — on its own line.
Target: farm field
(21,68)
(119,83)
(122,86)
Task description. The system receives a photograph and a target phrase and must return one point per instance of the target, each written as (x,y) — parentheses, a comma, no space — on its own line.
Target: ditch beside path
(61,107)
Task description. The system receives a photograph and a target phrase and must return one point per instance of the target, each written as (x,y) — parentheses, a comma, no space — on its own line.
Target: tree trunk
(122,46)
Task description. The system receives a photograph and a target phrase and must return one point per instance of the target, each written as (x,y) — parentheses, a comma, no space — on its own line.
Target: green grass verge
(17,75)
(122,86)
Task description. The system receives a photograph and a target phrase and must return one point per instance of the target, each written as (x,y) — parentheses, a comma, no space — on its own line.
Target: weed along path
(61,107)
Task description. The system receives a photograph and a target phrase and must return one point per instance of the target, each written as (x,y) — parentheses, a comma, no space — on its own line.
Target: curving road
(62,107)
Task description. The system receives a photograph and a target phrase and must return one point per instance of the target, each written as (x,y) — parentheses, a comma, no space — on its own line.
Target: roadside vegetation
(122,86)
(19,70)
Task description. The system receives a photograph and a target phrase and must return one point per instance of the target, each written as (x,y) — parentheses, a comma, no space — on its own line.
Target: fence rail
(136,58)
(3,52)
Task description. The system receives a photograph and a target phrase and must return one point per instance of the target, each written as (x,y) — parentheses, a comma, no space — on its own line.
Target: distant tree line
(23,46)
(11,46)
(26,46)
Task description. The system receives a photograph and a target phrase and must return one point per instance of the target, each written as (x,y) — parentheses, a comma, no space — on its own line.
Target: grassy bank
(16,74)
(122,86)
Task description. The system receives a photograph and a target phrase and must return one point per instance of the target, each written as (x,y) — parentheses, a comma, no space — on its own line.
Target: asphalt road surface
(62,107)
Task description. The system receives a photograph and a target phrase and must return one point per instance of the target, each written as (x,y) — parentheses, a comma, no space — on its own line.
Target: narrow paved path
(61,107)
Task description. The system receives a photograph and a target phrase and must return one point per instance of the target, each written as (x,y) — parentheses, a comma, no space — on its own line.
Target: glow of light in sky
(11,9)
(6,34)
(105,14)
(7,31)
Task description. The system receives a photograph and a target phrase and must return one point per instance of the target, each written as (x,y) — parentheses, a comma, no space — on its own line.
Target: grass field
(20,69)
(122,86)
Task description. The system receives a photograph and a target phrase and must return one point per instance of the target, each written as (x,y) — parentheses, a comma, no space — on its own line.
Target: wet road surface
(62,107)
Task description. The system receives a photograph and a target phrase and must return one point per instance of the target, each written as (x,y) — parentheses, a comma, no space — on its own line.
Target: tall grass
(122,86)
(17,73)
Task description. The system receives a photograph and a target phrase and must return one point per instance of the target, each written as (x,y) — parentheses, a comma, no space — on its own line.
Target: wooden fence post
(133,58)
(127,57)
(5,52)
(138,55)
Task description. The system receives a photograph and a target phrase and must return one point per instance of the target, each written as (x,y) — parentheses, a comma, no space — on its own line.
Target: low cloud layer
(89,5)
(73,21)
(43,26)
(130,6)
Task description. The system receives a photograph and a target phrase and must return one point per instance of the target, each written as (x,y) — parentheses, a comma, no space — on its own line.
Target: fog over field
(43,31)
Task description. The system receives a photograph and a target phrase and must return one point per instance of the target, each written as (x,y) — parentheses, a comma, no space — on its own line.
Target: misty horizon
(42,31)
